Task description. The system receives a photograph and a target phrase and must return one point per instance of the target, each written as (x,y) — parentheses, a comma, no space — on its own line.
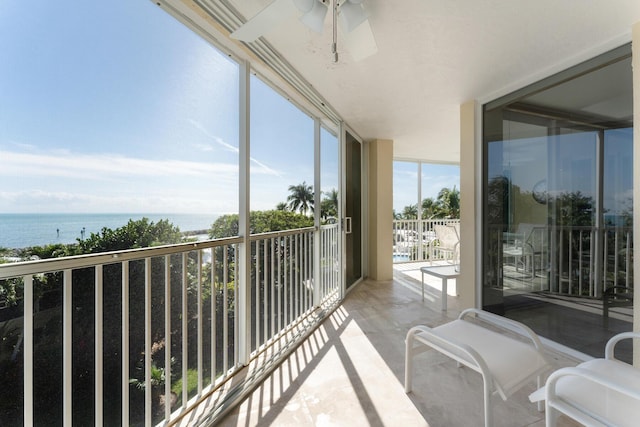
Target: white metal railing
(330,272)
(587,261)
(566,260)
(132,329)
(415,240)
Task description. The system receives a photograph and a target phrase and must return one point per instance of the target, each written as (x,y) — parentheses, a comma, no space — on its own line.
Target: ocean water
(23,230)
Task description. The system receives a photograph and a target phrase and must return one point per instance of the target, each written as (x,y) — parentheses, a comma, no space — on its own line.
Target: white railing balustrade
(566,260)
(415,240)
(139,336)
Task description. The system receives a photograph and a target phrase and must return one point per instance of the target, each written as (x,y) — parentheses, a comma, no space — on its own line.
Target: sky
(117,107)
(435,177)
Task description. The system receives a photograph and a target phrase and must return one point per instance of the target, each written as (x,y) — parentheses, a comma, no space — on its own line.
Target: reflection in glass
(558,207)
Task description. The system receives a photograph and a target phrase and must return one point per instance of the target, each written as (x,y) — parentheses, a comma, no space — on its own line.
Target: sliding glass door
(557,236)
(353,209)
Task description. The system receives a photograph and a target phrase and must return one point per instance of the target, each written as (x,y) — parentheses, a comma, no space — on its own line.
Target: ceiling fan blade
(360,42)
(267,19)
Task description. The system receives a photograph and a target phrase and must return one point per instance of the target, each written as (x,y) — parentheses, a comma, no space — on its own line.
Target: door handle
(347,225)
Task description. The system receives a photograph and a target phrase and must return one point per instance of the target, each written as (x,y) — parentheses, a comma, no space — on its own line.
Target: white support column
(468,287)
(243,304)
(380,202)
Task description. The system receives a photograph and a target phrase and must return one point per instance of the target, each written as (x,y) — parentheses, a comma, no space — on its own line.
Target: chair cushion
(511,362)
(602,403)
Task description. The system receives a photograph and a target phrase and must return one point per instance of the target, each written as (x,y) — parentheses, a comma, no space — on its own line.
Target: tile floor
(350,371)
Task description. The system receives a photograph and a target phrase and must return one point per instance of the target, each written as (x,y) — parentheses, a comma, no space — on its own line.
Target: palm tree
(428,208)
(282,206)
(301,198)
(448,203)
(329,206)
(410,212)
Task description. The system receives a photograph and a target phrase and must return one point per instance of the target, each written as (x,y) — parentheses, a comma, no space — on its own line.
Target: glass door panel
(353,210)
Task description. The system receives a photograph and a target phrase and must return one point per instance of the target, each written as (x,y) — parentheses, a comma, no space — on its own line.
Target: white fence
(139,336)
(416,240)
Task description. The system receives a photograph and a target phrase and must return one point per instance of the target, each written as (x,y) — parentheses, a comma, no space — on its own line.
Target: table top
(442,271)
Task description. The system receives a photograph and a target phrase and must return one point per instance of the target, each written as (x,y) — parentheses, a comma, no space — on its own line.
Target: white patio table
(444,272)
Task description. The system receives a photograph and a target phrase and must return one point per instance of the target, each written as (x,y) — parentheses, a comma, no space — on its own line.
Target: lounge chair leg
(408,363)
(540,384)
(551,416)
(488,413)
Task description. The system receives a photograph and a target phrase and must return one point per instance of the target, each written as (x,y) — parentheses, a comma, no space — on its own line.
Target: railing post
(185,331)
(67,347)
(99,327)
(27,331)
(167,333)
(147,343)
(200,327)
(125,343)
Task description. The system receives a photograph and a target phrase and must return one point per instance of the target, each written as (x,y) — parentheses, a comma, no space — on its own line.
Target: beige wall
(380,210)
(467,288)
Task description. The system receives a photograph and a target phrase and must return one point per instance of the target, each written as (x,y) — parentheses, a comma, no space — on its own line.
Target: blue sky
(435,177)
(117,107)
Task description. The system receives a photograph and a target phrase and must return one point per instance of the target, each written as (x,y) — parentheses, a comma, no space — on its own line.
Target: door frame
(344,129)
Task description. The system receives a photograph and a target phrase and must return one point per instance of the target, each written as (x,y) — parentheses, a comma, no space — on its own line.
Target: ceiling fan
(349,14)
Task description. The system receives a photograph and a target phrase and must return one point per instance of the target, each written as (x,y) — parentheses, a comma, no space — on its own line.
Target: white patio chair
(506,353)
(596,393)
(448,241)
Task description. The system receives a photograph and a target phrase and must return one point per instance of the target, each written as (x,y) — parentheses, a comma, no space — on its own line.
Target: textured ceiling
(435,54)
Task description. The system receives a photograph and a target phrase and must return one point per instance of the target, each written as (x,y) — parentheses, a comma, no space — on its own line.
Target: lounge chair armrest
(599,378)
(611,344)
(504,323)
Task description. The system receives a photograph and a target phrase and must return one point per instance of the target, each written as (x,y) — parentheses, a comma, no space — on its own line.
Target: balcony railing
(564,260)
(415,240)
(140,336)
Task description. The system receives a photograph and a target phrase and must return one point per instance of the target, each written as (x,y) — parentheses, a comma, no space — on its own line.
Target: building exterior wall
(380,210)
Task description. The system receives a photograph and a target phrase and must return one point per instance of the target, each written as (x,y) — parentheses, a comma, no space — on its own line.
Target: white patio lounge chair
(506,353)
(448,237)
(599,392)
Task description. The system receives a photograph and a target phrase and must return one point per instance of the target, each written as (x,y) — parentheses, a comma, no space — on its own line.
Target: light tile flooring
(350,371)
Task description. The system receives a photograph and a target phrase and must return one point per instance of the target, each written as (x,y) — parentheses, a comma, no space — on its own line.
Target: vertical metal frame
(244,262)
(342,161)
(343,129)
(317,202)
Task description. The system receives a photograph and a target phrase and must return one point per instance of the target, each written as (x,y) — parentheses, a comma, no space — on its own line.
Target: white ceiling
(434,55)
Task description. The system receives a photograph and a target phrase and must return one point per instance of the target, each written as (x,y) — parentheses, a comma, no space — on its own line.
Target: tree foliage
(329,204)
(445,206)
(259,222)
(301,198)
(135,234)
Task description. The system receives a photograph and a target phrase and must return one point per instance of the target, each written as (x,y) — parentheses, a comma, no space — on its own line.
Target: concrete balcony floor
(350,370)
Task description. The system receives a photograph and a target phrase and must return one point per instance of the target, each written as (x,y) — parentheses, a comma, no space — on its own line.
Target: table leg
(444,294)
(423,286)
